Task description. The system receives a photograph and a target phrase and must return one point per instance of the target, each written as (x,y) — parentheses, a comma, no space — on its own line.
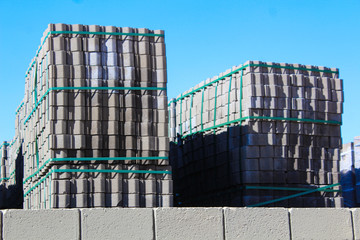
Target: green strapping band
(287,188)
(108,33)
(18,109)
(268,118)
(10,177)
(93,171)
(92,159)
(294,195)
(4,144)
(294,119)
(254,65)
(239,188)
(87,88)
(90,33)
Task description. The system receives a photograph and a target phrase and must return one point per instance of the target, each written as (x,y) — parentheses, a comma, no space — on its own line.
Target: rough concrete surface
(188,223)
(117,223)
(256,223)
(41,224)
(321,223)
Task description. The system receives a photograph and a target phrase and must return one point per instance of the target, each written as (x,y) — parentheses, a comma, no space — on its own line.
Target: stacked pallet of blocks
(95,130)
(350,172)
(4,177)
(7,177)
(256,133)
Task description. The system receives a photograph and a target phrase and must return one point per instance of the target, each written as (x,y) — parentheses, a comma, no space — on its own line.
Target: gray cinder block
(41,224)
(122,223)
(321,223)
(188,223)
(256,223)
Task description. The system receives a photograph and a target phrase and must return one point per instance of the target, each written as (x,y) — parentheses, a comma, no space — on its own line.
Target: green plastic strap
(87,88)
(94,171)
(202,108)
(294,119)
(215,103)
(286,188)
(171,101)
(228,110)
(108,33)
(4,144)
(109,88)
(268,118)
(111,171)
(92,159)
(18,109)
(294,195)
(191,104)
(254,65)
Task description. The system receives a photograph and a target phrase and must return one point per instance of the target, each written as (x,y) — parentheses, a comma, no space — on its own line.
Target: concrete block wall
(244,136)
(94,119)
(181,223)
(350,172)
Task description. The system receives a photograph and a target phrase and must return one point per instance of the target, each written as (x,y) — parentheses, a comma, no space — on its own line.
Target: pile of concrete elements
(350,173)
(10,192)
(93,122)
(258,132)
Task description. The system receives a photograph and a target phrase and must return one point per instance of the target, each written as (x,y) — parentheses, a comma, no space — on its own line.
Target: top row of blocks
(105,29)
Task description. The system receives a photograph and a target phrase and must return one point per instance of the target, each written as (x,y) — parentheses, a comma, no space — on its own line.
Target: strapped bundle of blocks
(259,134)
(94,126)
(93,121)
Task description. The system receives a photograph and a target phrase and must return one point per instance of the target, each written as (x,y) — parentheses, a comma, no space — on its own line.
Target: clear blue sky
(203,38)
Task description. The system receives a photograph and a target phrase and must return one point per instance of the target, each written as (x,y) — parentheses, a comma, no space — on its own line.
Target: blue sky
(203,38)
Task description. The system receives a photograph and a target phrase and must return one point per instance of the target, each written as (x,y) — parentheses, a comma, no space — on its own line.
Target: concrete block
(117,223)
(41,224)
(165,201)
(94,59)
(98,200)
(356,222)
(77,58)
(256,223)
(188,223)
(131,200)
(93,44)
(321,223)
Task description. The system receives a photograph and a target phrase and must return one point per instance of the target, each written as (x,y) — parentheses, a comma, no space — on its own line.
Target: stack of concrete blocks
(4,167)
(243,164)
(350,173)
(83,130)
(4,174)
